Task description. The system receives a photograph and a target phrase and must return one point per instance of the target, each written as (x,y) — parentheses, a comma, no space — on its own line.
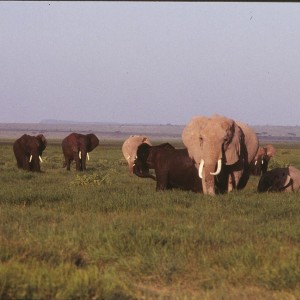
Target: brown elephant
(76,147)
(174,169)
(280,180)
(130,146)
(28,151)
(260,163)
(220,147)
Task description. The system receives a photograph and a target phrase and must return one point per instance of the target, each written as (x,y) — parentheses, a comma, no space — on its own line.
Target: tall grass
(103,234)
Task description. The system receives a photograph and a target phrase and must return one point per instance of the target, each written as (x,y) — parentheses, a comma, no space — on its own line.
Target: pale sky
(149,62)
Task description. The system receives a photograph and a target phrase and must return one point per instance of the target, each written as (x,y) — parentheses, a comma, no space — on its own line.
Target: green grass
(104,234)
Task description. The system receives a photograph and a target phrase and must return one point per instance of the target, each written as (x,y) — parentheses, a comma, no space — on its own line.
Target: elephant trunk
(142,173)
(211,167)
(209,179)
(131,165)
(34,162)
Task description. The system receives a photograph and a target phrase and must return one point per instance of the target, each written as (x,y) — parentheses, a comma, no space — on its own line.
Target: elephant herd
(28,150)
(219,156)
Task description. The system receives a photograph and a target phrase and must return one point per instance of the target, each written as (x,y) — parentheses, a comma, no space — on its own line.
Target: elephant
(130,146)
(280,180)
(76,147)
(219,142)
(260,163)
(28,151)
(173,167)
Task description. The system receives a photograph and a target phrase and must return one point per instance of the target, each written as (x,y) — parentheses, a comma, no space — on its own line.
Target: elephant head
(76,147)
(217,143)
(92,142)
(145,159)
(260,163)
(275,180)
(28,151)
(280,180)
(36,145)
(269,152)
(129,149)
(87,145)
(141,164)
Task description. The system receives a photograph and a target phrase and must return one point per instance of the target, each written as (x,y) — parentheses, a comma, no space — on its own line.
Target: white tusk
(88,157)
(128,157)
(201,168)
(40,159)
(79,154)
(255,163)
(287,181)
(262,161)
(30,158)
(218,169)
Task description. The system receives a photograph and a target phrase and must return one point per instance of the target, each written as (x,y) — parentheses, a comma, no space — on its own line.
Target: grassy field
(104,234)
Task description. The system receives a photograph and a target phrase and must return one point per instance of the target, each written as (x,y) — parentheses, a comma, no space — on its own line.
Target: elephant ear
(143,151)
(92,142)
(250,143)
(260,153)
(42,140)
(233,151)
(281,180)
(270,151)
(146,141)
(191,137)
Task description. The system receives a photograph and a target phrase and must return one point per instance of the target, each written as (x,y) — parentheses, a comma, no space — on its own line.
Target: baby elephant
(280,180)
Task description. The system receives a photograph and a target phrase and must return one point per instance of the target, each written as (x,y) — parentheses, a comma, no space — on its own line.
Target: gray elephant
(222,149)
(129,148)
(280,180)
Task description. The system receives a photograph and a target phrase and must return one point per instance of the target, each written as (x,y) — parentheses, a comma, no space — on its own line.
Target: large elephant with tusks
(28,151)
(76,147)
(222,150)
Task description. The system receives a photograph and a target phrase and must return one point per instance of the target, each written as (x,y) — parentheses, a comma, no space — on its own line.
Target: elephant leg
(233,181)
(68,163)
(230,183)
(77,161)
(161,182)
(26,163)
(19,163)
(243,180)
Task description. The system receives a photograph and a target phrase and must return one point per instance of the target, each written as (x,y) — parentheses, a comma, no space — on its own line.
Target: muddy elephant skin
(76,147)
(280,180)
(28,151)
(260,163)
(174,169)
